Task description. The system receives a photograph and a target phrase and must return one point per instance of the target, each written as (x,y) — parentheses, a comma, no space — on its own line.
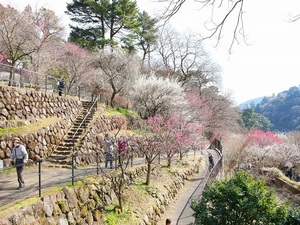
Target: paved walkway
(179,211)
(49,177)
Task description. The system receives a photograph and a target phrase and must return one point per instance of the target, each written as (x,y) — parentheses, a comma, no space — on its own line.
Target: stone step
(62,153)
(60,162)
(65,145)
(68,143)
(59,158)
(71,134)
(80,120)
(73,129)
(69,139)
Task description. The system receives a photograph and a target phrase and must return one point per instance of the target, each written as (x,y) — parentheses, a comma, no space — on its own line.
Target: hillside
(251,102)
(283,109)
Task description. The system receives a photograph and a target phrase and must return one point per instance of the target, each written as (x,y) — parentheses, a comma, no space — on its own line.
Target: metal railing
(83,122)
(46,178)
(17,76)
(203,184)
(23,78)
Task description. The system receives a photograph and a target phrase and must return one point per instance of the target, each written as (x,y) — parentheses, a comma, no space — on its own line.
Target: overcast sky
(269,64)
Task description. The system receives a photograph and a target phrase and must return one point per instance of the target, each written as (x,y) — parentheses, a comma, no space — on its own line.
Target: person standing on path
(122,149)
(60,86)
(109,149)
(19,158)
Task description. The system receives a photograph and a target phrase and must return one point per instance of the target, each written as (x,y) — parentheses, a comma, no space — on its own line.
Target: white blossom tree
(156,95)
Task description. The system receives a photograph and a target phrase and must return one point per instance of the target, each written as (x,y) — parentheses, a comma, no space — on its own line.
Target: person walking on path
(211,161)
(19,158)
(109,148)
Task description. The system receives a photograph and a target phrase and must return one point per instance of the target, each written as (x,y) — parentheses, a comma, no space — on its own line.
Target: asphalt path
(51,177)
(48,177)
(180,211)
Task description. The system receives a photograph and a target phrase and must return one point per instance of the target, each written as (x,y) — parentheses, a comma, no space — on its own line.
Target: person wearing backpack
(19,158)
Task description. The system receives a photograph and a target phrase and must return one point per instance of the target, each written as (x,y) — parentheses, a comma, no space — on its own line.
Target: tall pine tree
(101,22)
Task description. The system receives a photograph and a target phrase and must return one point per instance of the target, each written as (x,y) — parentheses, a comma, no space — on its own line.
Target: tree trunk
(112,99)
(180,155)
(148,173)
(11,73)
(120,199)
(169,162)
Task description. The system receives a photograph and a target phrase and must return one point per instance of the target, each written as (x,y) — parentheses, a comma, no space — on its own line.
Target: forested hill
(283,109)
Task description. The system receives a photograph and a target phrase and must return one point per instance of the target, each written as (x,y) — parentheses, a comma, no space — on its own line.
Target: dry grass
(30,128)
(139,198)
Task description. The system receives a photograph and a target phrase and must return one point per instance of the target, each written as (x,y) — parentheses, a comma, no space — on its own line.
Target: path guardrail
(46,178)
(203,184)
(23,78)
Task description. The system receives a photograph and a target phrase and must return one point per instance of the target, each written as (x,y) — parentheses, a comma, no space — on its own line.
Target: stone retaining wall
(287,186)
(19,107)
(38,145)
(84,205)
(94,140)
(22,104)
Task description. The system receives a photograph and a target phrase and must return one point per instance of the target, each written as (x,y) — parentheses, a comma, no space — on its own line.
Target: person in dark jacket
(60,86)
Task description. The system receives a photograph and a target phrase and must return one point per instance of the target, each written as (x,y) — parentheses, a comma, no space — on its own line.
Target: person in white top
(19,158)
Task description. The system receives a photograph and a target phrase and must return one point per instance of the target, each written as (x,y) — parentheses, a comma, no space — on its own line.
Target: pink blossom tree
(262,138)
(149,146)
(17,36)
(74,62)
(176,136)
(196,110)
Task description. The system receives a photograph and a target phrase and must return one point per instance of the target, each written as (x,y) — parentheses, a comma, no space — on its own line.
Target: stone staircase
(62,155)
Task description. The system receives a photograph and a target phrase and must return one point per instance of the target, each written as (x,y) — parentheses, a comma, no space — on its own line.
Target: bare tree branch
(294,18)
(234,7)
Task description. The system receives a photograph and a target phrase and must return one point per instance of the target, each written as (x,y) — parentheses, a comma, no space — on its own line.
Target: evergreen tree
(239,201)
(99,23)
(146,34)
(253,120)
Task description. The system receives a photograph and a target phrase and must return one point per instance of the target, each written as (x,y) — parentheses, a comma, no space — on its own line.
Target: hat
(16,139)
